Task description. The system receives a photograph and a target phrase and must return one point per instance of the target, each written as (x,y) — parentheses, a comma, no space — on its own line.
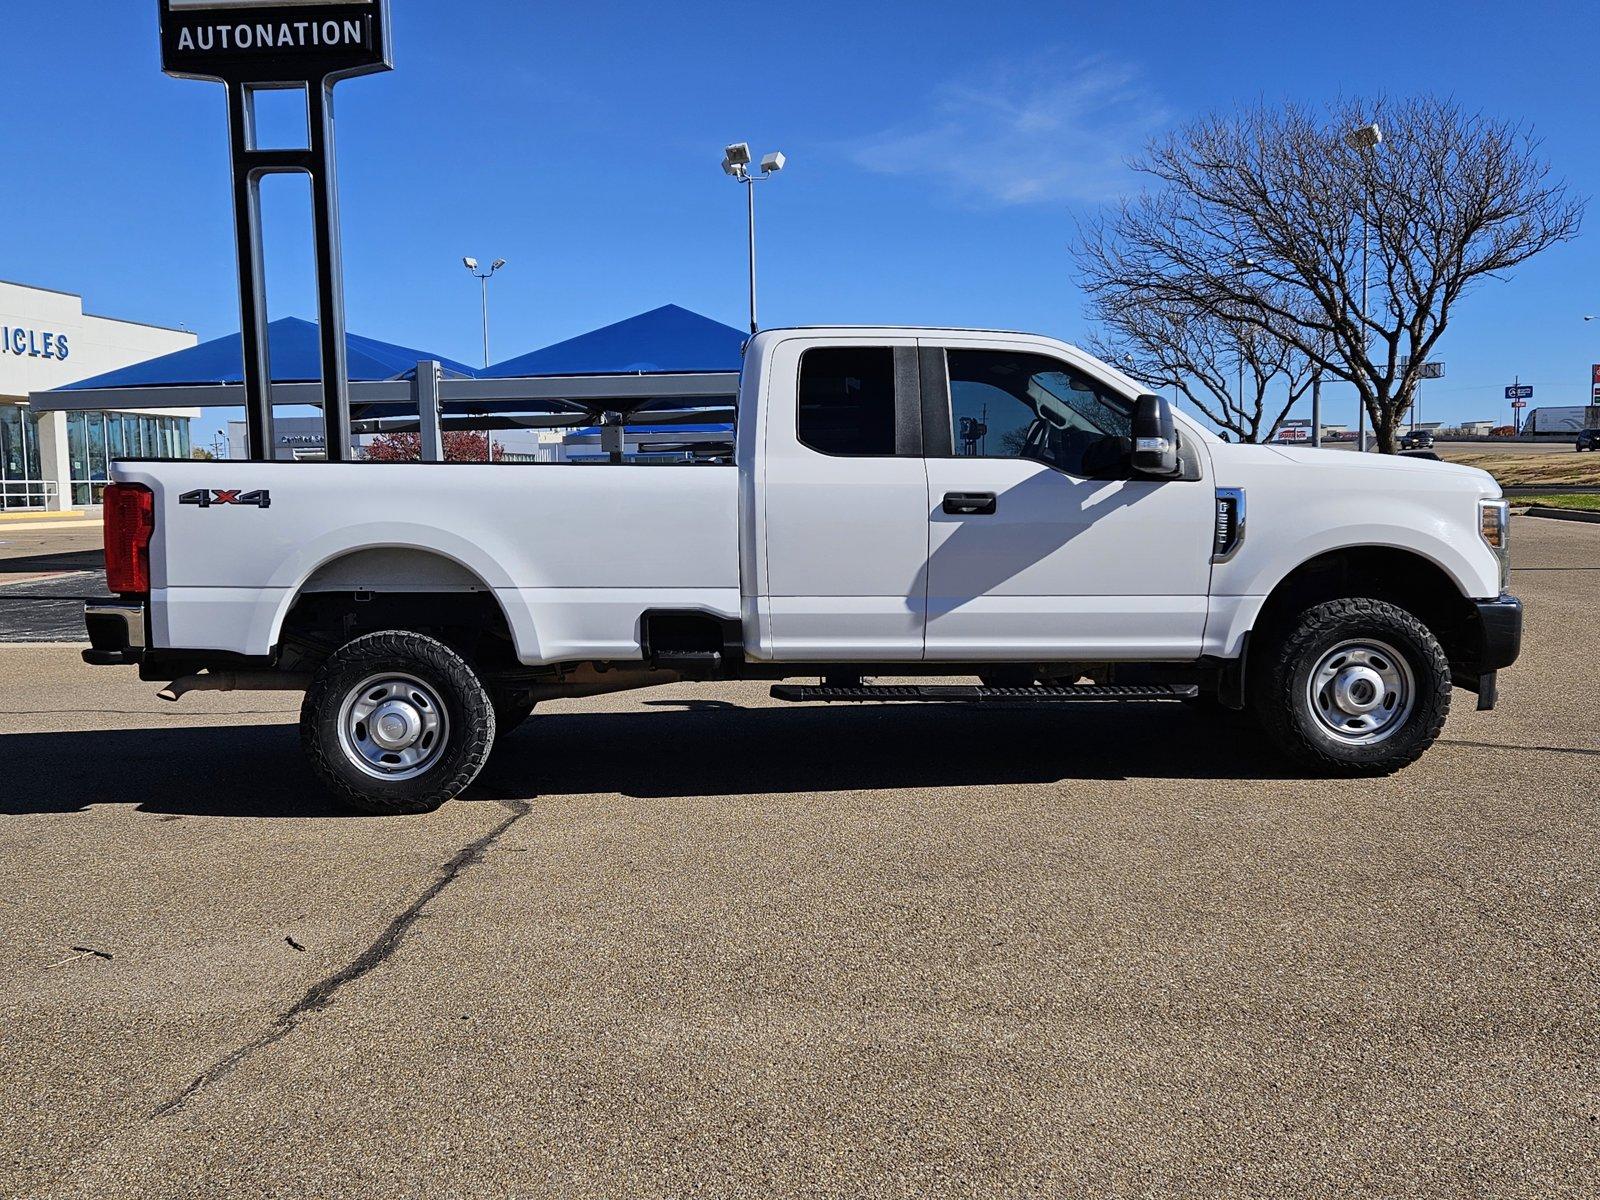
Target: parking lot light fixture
(471,264)
(736,164)
(1364,138)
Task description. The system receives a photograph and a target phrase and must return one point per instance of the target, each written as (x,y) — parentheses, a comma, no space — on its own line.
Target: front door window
(1009,405)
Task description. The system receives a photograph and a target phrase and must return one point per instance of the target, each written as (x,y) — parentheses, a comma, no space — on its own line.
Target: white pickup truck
(900,504)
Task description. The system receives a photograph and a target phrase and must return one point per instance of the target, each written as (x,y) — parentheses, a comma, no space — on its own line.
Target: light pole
(736,164)
(1364,138)
(1316,407)
(1241,267)
(471,264)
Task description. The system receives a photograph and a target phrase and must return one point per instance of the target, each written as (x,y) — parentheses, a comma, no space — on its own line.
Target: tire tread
(1277,702)
(377,652)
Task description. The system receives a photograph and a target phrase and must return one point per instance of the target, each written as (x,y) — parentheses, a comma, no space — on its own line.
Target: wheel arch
(409,586)
(1401,576)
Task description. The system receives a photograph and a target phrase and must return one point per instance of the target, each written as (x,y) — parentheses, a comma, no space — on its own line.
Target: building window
(20,480)
(31,467)
(13,457)
(97,456)
(11,451)
(78,455)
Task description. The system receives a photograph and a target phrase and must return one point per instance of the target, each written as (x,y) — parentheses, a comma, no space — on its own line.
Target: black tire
(1370,635)
(435,682)
(511,709)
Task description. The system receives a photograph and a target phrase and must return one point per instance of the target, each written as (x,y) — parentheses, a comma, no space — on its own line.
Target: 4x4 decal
(206,497)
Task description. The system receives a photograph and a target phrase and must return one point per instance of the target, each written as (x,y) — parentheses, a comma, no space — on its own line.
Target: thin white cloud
(1056,128)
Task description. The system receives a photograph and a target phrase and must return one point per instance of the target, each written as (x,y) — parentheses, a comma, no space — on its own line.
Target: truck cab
(900,504)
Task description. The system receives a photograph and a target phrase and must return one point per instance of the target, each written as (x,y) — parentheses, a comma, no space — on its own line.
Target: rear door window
(847,401)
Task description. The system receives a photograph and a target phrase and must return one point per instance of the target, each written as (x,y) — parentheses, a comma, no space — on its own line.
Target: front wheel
(396,722)
(1354,687)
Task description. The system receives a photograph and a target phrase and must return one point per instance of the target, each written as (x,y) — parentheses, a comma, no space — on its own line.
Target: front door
(1037,548)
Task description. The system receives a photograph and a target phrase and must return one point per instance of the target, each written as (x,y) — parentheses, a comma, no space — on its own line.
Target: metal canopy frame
(430,402)
(594,393)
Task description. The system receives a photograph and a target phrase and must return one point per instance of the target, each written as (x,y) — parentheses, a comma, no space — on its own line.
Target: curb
(70,514)
(1563,514)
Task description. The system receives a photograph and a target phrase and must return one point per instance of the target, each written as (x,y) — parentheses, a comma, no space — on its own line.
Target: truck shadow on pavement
(669,751)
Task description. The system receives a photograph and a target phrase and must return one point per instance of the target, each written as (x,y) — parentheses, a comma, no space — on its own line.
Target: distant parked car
(1417,439)
(1588,439)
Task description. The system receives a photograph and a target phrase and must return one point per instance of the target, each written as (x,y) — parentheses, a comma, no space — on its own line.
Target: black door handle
(969,504)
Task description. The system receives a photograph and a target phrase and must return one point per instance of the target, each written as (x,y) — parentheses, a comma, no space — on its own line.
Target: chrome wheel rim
(1361,691)
(393,726)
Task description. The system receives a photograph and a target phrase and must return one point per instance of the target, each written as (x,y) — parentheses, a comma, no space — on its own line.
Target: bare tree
(1267,218)
(1226,368)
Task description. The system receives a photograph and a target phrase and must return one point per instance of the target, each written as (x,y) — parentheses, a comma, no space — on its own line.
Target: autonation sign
(266,41)
(33,343)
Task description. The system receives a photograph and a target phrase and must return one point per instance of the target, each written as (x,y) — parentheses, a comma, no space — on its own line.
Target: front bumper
(1500,625)
(116,632)
(1496,643)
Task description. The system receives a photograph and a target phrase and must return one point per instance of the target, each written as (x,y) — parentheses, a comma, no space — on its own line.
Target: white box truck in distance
(900,503)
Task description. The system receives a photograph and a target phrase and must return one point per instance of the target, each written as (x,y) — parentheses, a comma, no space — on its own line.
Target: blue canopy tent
(664,341)
(295,358)
(695,360)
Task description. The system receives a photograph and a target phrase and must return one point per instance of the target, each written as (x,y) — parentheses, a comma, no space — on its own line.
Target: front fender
(1474,569)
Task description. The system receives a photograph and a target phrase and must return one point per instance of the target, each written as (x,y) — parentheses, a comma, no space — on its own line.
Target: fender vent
(1228,531)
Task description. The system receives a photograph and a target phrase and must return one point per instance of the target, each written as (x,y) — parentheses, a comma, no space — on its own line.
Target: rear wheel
(396,722)
(1354,687)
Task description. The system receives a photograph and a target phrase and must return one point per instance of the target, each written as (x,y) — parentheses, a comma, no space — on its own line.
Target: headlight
(1494,523)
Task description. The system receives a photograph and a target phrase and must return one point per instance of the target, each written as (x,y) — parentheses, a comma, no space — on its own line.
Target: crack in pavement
(1513,746)
(322,992)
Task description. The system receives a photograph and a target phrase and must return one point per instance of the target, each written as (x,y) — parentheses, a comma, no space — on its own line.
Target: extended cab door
(1040,545)
(843,502)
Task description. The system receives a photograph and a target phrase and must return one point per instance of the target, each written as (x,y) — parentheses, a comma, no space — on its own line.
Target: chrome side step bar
(799,693)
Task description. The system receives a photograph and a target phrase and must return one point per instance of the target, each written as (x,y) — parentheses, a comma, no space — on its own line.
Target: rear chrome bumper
(116,632)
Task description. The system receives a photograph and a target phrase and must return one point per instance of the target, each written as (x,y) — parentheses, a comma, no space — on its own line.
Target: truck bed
(573,553)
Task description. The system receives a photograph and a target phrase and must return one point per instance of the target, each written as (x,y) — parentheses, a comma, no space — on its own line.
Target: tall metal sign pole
(250,46)
(1519,394)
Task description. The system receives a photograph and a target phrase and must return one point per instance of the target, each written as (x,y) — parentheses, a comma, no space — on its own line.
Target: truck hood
(1381,470)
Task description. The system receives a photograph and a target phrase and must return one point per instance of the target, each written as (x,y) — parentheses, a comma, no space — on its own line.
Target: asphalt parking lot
(690,942)
(46,568)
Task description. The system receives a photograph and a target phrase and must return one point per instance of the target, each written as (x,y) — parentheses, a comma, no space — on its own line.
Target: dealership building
(61,459)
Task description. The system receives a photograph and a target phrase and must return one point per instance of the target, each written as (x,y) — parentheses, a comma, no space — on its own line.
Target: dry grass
(1514,469)
(1585,501)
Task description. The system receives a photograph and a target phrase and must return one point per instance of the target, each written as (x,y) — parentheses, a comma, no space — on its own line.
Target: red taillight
(130,514)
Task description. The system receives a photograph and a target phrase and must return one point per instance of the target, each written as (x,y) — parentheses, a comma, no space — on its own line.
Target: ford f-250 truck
(900,504)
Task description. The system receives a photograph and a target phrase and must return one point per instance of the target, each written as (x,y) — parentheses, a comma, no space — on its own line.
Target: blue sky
(939,154)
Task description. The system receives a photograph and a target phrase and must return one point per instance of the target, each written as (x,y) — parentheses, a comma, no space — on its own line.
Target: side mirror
(1155,439)
(1108,458)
